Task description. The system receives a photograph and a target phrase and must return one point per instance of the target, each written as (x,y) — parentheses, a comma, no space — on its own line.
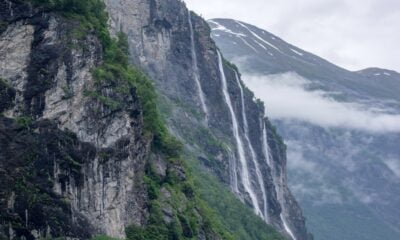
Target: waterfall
(278,183)
(287,229)
(233,173)
(239,144)
(260,177)
(195,68)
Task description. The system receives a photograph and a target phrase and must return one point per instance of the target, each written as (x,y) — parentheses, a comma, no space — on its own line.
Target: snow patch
(260,38)
(222,28)
(297,52)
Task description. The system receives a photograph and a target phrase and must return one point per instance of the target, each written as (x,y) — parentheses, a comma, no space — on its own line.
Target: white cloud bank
(286,97)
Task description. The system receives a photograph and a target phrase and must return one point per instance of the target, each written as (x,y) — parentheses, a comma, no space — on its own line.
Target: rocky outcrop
(159,34)
(75,156)
(60,144)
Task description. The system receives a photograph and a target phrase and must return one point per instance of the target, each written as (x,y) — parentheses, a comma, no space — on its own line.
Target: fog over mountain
(318,107)
(341,129)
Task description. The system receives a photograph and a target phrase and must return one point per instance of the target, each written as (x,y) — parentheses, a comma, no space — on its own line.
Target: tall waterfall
(278,182)
(195,68)
(239,143)
(260,177)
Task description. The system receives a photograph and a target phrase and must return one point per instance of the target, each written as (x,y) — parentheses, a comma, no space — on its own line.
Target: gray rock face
(50,73)
(71,157)
(344,178)
(160,43)
(15,51)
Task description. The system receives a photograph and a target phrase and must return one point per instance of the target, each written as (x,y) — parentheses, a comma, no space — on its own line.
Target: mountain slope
(341,128)
(80,136)
(208,108)
(85,151)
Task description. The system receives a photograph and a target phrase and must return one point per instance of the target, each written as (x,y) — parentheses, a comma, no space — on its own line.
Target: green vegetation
(235,216)
(187,216)
(275,133)
(115,71)
(177,211)
(24,121)
(3,26)
(231,65)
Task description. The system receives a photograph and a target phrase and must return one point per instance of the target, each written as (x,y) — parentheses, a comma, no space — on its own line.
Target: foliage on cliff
(175,209)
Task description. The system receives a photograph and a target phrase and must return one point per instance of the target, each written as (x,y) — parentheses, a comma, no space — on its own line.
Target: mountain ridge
(336,172)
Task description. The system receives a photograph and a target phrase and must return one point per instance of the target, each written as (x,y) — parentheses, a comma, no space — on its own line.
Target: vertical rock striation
(58,145)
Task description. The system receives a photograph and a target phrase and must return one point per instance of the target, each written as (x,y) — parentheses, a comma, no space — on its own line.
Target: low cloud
(286,97)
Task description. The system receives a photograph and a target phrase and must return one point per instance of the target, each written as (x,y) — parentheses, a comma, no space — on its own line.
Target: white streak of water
(233,173)
(278,183)
(287,229)
(260,177)
(239,143)
(195,67)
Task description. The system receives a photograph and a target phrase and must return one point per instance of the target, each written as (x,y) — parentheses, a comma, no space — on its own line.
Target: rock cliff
(83,151)
(208,107)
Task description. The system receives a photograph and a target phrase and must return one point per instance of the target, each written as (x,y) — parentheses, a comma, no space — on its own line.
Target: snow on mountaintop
(379,73)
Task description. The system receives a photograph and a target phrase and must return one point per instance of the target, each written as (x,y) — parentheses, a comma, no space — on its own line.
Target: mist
(286,97)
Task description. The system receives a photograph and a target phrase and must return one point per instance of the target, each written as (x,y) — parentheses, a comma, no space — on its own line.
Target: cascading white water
(239,143)
(266,149)
(233,173)
(195,68)
(278,182)
(287,229)
(260,177)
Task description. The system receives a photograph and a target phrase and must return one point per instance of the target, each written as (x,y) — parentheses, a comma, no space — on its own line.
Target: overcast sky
(354,34)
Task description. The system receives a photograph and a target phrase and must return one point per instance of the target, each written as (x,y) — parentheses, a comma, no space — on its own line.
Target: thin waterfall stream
(195,67)
(239,143)
(277,182)
(260,177)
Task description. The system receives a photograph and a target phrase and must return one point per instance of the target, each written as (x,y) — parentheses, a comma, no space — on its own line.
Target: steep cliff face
(208,107)
(78,157)
(82,152)
(342,173)
(72,147)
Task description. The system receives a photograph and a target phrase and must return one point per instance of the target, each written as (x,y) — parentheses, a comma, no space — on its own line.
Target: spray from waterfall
(239,143)
(278,182)
(260,177)
(195,68)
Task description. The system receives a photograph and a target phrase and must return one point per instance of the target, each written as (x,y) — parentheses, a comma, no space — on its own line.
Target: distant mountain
(341,129)
(378,73)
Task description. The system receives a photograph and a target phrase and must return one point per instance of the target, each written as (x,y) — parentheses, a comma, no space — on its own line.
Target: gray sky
(354,34)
